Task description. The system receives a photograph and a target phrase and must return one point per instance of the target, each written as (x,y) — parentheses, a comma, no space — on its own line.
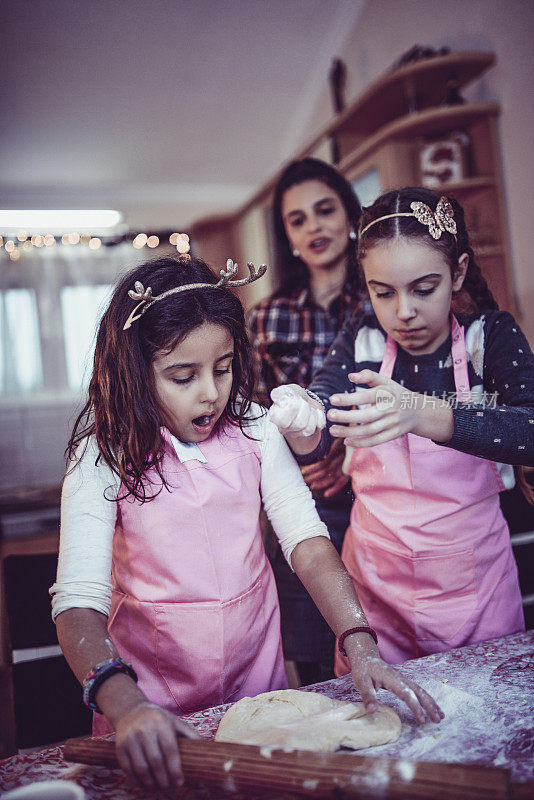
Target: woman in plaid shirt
(315,215)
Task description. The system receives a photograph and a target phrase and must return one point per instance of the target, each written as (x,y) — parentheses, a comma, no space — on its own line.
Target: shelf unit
(383,131)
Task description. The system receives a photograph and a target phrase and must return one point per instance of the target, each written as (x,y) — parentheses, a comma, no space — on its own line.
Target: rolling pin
(246,768)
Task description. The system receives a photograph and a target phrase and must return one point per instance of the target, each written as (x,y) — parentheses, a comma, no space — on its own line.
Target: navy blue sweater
(501,429)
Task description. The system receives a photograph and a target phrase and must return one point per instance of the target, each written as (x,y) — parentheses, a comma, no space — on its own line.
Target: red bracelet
(361,629)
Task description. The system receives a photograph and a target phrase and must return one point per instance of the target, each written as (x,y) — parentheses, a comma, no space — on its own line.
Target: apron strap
(390,356)
(458,354)
(459,361)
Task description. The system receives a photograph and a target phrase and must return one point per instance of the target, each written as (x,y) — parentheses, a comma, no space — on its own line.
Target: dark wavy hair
(293,271)
(122,412)
(475,294)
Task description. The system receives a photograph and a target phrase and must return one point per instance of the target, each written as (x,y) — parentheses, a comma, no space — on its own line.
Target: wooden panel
(47,543)
(493,269)
(214,241)
(482,156)
(8,732)
(395,163)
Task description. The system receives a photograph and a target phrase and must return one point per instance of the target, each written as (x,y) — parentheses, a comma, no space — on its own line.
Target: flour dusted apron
(194,605)
(428,548)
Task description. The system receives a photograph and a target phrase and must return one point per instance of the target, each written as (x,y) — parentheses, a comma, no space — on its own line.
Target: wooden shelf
(384,130)
(431,122)
(469,184)
(385,101)
(29,499)
(30,545)
(488,251)
(415,86)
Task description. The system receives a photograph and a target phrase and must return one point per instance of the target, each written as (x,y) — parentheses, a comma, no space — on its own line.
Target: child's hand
(295,412)
(370,672)
(147,747)
(390,411)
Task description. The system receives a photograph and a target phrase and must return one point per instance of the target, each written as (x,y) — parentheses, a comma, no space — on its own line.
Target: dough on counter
(298,720)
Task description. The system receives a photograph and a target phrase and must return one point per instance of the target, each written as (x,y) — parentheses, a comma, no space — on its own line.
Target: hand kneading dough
(306,721)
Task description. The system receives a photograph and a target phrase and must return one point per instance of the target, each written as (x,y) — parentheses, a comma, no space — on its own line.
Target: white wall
(386,29)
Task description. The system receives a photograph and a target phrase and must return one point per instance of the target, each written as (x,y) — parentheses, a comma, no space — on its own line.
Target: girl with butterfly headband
(162,577)
(431,393)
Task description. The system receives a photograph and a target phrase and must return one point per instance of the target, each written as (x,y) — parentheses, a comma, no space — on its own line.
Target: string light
(182,243)
(140,240)
(49,240)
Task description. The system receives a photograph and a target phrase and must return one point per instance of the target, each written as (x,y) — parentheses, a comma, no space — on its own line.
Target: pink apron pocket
(445,596)
(245,629)
(188,654)
(201,648)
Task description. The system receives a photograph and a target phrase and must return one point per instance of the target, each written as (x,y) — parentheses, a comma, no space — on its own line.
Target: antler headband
(146,299)
(442,219)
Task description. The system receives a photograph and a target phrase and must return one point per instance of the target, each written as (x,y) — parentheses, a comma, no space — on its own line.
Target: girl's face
(193,381)
(410,286)
(316,224)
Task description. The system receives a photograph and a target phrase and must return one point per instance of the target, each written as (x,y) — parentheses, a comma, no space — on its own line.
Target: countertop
(486,691)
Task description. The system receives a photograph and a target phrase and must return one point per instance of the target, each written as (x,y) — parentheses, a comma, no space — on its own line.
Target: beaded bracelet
(315,397)
(360,629)
(100,673)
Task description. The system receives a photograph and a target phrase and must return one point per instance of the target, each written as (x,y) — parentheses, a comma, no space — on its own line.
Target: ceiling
(167,110)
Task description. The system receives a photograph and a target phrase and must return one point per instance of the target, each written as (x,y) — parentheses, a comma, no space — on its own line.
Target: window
(367,187)
(21,369)
(81,309)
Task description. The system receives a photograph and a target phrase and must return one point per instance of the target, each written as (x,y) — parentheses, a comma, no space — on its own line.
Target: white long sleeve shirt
(89,511)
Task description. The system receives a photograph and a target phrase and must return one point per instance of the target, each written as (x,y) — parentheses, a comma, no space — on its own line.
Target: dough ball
(306,721)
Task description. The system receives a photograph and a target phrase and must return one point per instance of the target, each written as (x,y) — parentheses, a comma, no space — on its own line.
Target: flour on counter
(470,719)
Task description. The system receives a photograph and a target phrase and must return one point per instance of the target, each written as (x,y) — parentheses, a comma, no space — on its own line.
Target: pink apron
(428,549)
(194,605)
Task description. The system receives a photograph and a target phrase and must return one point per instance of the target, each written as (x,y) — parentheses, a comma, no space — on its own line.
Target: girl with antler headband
(444,388)
(162,578)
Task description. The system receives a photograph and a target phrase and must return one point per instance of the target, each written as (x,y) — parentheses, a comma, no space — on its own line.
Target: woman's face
(316,224)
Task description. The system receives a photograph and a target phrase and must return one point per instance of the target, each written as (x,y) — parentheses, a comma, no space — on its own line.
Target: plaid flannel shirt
(291,337)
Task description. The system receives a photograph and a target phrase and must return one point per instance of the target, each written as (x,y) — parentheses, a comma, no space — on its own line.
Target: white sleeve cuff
(80,595)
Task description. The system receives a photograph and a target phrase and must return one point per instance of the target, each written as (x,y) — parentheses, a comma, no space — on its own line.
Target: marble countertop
(486,691)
